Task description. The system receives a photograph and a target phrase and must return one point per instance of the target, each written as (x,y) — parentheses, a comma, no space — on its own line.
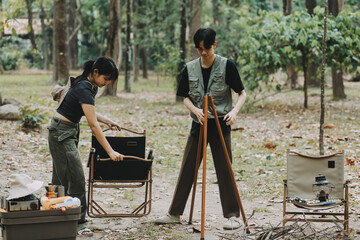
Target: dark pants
(67,167)
(228,198)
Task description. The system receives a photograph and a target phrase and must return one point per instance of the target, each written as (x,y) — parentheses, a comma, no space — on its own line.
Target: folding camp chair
(134,171)
(298,189)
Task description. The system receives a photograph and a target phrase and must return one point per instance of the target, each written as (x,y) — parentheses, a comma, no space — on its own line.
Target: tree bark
(127,87)
(1,35)
(73,42)
(310,5)
(136,45)
(304,65)
(195,17)
(337,72)
(45,38)
(112,47)
(30,20)
(338,83)
(60,52)
(215,10)
(182,44)
(143,56)
(292,76)
(287,7)
(322,84)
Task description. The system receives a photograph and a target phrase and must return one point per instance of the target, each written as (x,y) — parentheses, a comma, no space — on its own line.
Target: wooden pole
(228,163)
(204,169)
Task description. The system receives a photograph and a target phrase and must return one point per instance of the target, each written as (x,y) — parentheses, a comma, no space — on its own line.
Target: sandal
(85,232)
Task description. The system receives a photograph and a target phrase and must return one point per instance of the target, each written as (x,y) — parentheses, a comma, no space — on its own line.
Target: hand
(112,125)
(200,115)
(230,118)
(115,156)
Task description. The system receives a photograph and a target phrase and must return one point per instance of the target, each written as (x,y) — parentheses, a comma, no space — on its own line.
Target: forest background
(275,44)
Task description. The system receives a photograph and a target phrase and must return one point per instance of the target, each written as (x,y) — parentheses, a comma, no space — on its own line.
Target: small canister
(61,191)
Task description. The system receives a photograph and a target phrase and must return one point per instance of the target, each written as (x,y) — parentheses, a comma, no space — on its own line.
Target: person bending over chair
(64,127)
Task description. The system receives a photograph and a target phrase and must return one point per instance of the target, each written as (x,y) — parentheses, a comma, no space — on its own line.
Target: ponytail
(105,65)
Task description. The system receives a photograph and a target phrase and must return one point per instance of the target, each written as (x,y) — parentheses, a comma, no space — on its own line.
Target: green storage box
(40,224)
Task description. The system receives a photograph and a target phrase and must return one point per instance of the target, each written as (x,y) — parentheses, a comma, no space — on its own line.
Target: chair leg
(284,203)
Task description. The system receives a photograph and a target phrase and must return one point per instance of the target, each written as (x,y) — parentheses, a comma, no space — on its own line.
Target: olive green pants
(67,167)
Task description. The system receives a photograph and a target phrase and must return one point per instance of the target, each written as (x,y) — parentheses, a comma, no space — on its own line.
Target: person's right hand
(115,156)
(200,114)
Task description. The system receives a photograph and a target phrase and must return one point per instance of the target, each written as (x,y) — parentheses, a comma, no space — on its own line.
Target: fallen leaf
(270,145)
(350,161)
(329,126)
(292,144)
(289,125)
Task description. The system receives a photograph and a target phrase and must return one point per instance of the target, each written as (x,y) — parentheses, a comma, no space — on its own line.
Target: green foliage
(31,115)
(170,63)
(15,53)
(276,41)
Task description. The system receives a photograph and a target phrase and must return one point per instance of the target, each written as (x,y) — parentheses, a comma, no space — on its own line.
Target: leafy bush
(31,115)
(15,53)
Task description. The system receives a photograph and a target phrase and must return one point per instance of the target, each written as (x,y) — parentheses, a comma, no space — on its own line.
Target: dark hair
(204,34)
(105,65)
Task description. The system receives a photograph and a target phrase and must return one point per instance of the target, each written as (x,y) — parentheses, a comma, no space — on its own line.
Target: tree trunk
(60,52)
(127,87)
(310,5)
(112,47)
(136,45)
(334,7)
(182,45)
(45,38)
(215,10)
(120,55)
(337,83)
(195,17)
(304,64)
(287,7)
(73,42)
(322,85)
(292,76)
(30,19)
(1,35)
(337,72)
(143,56)
(312,75)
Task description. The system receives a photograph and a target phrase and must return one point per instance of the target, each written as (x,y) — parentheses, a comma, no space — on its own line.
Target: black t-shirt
(82,92)
(232,78)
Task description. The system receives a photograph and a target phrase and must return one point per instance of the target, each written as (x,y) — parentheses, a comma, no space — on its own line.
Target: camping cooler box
(40,224)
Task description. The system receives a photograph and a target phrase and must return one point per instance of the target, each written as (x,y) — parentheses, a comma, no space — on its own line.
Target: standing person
(64,128)
(215,75)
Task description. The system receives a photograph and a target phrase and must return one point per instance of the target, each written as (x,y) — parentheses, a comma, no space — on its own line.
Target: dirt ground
(22,152)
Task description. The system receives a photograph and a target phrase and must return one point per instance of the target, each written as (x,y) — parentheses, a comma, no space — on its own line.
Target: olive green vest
(217,87)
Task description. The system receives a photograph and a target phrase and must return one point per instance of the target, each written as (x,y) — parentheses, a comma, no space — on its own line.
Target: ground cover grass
(259,171)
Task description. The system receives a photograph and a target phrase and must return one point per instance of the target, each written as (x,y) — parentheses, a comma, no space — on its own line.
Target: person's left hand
(113,126)
(230,118)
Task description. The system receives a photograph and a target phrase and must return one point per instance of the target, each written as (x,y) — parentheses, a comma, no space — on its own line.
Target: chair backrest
(128,169)
(302,170)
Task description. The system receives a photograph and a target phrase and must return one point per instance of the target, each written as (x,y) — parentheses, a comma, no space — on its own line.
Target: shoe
(168,219)
(232,223)
(85,232)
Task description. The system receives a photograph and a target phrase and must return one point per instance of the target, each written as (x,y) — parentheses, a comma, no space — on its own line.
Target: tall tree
(338,88)
(182,43)
(112,48)
(72,29)
(127,87)
(141,26)
(215,11)
(1,35)
(45,37)
(194,23)
(322,84)
(136,13)
(287,7)
(30,23)
(60,52)
(312,70)
(290,70)
(310,5)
